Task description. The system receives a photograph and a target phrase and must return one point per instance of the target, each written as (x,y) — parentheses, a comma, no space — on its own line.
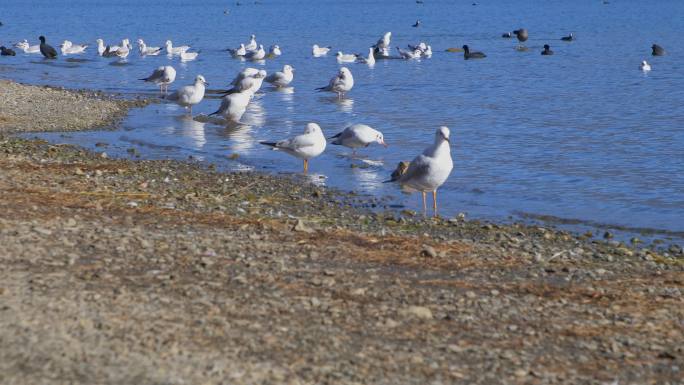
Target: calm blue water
(580,135)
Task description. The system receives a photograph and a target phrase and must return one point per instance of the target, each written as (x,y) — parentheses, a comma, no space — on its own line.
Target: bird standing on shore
(46,49)
(306,146)
(341,83)
(188,96)
(429,170)
(162,76)
(357,136)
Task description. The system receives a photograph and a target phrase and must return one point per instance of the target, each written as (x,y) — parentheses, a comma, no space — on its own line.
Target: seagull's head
(388,35)
(252,37)
(141,42)
(261,74)
(42,39)
(380,139)
(344,72)
(546,46)
(99,42)
(200,79)
(287,68)
(315,46)
(338,54)
(261,47)
(442,134)
(312,128)
(168,43)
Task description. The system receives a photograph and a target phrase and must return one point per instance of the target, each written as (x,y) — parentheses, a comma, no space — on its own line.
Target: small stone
(301,227)
(520,373)
(418,311)
(233,156)
(470,294)
(103,155)
(608,235)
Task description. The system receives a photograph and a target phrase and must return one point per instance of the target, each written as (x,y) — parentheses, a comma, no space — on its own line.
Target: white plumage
(341,83)
(188,96)
(306,146)
(281,78)
(357,136)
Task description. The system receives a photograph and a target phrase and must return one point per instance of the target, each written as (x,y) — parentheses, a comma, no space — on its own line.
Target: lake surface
(581,138)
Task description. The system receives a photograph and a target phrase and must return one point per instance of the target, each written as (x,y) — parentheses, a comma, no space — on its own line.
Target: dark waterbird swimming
(547,50)
(46,49)
(521,34)
(417,24)
(507,35)
(568,38)
(4,51)
(657,50)
(472,55)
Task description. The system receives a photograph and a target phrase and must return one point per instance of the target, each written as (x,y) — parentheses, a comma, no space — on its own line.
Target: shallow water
(581,138)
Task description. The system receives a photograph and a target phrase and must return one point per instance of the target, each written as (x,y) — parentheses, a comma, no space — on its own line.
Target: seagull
(252,45)
(340,83)
(188,96)
(257,55)
(427,52)
(118,51)
(320,51)
(547,50)
(24,46)
(370,60)
(4,51)
(430,170)
(162,76)
(416,54)
(250,84)
(147,51)
(233,106)
(381,48)
(358,135)
(188,56)
(274,51)
(47,50)
(657,50)
(171,50)
(472,55)
(644,66)
(68,48)
(281,78)
(345,58)
(247,72)
(241,51)
(417,24)
(100,47)
(568,38)
(306,146)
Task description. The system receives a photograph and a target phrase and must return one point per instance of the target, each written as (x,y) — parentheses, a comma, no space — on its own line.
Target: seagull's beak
(206,84)
(447,139)
(382,141)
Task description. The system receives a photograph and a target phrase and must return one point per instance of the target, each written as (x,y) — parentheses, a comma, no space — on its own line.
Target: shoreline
(101,254)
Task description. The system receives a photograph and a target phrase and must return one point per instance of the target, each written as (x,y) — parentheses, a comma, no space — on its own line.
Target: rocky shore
(161,272)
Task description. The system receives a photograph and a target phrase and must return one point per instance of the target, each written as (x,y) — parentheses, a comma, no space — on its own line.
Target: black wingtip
(272,144)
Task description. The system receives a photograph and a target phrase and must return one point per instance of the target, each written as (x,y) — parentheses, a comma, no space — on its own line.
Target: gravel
(170,273)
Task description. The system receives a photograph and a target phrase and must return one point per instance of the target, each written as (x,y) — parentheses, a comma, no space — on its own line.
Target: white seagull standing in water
(249,84)
(357,136)
(252,45)
(145,50)
(274,51)
(162,76)
(69,48)
(188,96)
(306,146)
(171,50)
(429,170)
(240,51)
(257,55)
(345,58)
(233,106)
(381,48)
(24,46)
(340,83)
(281,78)
(644,66)
(320,51)
(370,60)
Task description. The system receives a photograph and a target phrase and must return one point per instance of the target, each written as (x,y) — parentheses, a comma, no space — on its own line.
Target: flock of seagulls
(425,173)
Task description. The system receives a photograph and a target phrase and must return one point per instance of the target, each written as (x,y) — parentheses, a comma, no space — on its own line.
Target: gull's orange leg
(424,203)
(306,166)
